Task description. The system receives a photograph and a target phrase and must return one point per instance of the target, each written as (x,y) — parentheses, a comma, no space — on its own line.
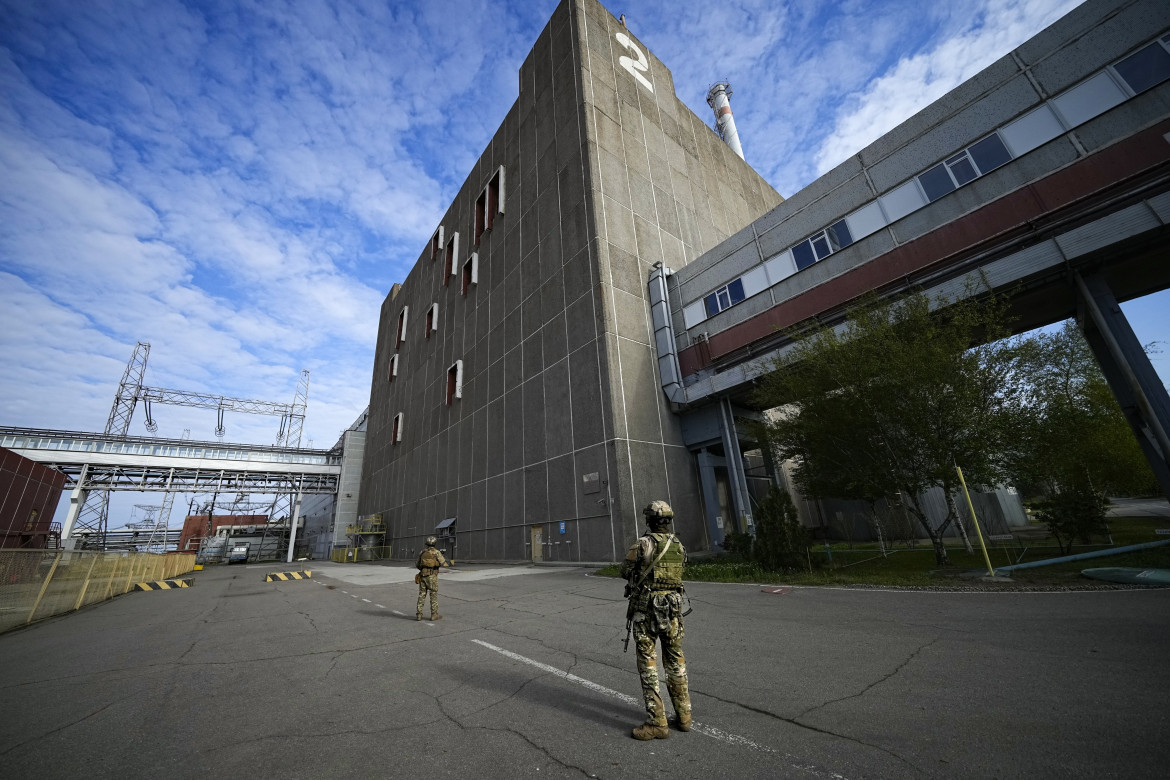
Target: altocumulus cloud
(237,183)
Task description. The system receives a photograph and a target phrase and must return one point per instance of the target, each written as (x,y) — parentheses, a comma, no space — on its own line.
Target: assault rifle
(630,594)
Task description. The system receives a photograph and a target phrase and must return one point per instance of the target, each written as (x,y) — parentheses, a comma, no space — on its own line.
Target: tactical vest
(429,559)
(668,572)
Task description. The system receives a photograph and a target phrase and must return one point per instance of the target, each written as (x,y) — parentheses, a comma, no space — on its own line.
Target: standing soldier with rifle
(428,564)
(653,569)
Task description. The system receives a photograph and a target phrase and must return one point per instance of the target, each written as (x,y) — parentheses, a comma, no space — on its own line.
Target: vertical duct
(717,98)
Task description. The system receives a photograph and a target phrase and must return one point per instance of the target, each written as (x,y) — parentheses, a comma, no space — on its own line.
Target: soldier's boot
(651,731)
(418,616)
(683,722)
(436,616)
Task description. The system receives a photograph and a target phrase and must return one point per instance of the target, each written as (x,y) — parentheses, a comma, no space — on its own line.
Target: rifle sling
(646,574)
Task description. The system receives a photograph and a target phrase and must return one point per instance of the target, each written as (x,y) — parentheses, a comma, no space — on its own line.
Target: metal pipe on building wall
(717,98)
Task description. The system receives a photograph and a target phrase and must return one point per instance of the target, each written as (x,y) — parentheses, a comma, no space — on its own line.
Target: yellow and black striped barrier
(288,575)
(162,585)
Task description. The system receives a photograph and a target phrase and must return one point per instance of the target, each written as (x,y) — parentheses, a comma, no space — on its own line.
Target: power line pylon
(93,516)
(293,423)
(290,437)
(92,519)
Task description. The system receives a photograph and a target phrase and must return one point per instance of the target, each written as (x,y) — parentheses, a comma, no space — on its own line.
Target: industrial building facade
(515,403)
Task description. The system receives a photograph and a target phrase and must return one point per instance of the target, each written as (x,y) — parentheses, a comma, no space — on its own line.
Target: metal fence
(357,554)
(41,583)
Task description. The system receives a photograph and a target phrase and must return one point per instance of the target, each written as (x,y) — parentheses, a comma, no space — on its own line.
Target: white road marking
(396,612)
(380,606)
(367,601)
(710,731)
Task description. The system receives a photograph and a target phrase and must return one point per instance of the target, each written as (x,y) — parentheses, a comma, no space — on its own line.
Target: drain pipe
(1084,556)
(668,370)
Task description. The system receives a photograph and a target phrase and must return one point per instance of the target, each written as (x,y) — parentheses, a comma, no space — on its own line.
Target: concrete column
(292,531)
(76,502)
(1128,371)
(710,490)
(735,475)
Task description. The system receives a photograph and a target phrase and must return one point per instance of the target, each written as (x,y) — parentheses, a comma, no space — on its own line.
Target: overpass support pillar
(1128,370)
(76,502)
(293,521)
(708,484)
(734,456)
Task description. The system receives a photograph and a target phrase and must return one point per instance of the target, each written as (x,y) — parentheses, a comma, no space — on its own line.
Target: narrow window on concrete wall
(961,168)
(432,320)
(936,182)
(396,432)
(393,372)
(480,218)
(724,298)
(489,204)
(802,253)
(989,154)
(470,272)
(1146,68)
(451,253)
(455,382)
(437,242)
(401,335)
(820,245)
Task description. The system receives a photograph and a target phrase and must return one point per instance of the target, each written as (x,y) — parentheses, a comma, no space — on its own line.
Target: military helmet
(658,510)
(432,541)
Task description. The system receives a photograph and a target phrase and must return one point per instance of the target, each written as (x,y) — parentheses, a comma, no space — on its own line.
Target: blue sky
(240,183)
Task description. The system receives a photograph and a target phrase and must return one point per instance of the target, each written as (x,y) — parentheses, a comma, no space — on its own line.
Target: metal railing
(37,584)
(358,554)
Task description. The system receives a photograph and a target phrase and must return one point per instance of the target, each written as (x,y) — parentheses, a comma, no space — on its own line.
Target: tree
(1073,445)
(781,539)
(892,400)
(1069,428)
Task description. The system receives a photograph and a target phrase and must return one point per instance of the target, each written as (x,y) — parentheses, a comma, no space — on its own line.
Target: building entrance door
(537,543)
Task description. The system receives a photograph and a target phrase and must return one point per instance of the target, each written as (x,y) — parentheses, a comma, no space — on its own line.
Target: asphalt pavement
(525,677)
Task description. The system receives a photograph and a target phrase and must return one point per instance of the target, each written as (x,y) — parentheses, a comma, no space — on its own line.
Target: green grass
(915,566)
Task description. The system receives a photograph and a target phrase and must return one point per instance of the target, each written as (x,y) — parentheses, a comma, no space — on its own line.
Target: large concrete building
(515,404)
(581,333)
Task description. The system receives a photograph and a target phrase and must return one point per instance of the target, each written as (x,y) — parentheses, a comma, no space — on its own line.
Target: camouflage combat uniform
(428,564)
(658,616)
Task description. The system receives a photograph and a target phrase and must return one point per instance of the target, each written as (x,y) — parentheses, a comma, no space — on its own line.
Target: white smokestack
(717,98)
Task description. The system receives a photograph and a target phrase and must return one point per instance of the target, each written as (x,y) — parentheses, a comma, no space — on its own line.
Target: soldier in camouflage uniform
(429,562)
(654,568)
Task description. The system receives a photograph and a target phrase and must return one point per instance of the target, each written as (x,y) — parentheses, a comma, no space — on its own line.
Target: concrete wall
(561,417)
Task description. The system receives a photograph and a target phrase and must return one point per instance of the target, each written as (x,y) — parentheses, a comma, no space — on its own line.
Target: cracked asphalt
(237,677)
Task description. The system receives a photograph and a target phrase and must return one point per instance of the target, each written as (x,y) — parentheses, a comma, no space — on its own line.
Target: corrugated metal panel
(1109,230)
(1161,205)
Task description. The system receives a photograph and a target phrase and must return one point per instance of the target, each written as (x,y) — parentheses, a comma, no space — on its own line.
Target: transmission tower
(293,423)
(291,438)
(93,517)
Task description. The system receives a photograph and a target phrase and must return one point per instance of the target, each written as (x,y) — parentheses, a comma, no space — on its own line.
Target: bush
(739,544)
(1076,512)
(781,541)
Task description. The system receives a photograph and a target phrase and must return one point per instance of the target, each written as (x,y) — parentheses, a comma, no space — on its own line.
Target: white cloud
(920,79)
